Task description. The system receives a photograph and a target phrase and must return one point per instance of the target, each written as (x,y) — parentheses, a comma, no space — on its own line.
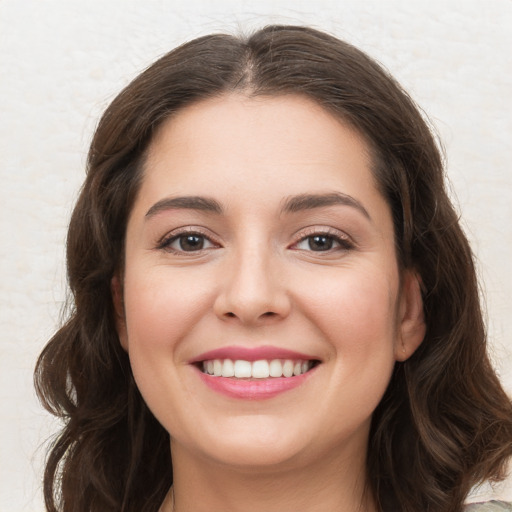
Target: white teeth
(261,369)
(288,368)
(243,369)
(228,369)
(276,368)
(217,367)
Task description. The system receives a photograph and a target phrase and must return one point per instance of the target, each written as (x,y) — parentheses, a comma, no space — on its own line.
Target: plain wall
(62,61)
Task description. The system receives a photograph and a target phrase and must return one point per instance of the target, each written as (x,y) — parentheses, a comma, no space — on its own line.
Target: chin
(262,444)
(257,457)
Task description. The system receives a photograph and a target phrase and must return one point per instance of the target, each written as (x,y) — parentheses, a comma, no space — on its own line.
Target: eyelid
(345,240)
(163,242)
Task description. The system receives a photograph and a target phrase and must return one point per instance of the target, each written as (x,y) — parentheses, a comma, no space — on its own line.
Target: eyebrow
(310,201)
(204,204)
(292,204)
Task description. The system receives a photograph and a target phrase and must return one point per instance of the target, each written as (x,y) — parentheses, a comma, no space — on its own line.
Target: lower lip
(257,389)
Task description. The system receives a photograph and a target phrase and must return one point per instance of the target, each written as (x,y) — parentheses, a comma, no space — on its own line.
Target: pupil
(191,242)
(320,243)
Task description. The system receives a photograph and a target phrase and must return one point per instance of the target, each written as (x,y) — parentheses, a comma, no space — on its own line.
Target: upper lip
(251,354)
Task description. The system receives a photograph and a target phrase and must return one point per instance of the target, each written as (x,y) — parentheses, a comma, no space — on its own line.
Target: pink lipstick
(254,373)
(253,389)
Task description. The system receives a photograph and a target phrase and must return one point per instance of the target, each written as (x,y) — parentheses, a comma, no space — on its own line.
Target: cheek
(355,310)
(161,309)
(355,313)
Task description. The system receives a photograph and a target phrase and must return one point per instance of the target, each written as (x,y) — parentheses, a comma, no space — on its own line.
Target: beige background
(62,61)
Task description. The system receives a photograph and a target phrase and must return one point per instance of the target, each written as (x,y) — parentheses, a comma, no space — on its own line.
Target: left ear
(411,319)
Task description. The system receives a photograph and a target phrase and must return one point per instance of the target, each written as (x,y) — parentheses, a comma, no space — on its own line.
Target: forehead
(287,119)
(235,137)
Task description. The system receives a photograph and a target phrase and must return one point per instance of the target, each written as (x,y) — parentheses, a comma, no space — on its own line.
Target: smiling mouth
(261,369)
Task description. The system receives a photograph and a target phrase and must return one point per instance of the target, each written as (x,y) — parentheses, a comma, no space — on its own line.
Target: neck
(331,485)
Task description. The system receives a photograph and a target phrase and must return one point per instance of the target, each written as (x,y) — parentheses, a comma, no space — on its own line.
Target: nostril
(268,314)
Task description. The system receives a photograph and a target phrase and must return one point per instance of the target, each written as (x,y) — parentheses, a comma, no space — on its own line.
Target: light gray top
(490,506)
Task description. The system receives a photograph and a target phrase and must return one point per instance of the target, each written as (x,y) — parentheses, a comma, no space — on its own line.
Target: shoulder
(489,506)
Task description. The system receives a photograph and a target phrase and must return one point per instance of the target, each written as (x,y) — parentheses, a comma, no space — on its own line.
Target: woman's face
(259,245)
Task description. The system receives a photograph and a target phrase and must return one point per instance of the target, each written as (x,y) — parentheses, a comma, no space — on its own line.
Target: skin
(255,282)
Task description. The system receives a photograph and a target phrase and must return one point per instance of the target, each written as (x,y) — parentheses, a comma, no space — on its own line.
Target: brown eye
(186,242)
(323,242)
(320,242)
(190,242)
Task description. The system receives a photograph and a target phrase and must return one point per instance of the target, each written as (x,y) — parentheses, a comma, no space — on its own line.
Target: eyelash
(343,243)
(166,242)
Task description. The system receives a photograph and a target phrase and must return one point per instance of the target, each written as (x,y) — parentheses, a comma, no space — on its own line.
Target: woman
(275,307)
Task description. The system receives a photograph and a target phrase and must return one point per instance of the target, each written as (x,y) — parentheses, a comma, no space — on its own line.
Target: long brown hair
(444,423)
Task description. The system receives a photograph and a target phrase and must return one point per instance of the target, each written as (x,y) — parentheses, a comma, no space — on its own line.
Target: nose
(253,290)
